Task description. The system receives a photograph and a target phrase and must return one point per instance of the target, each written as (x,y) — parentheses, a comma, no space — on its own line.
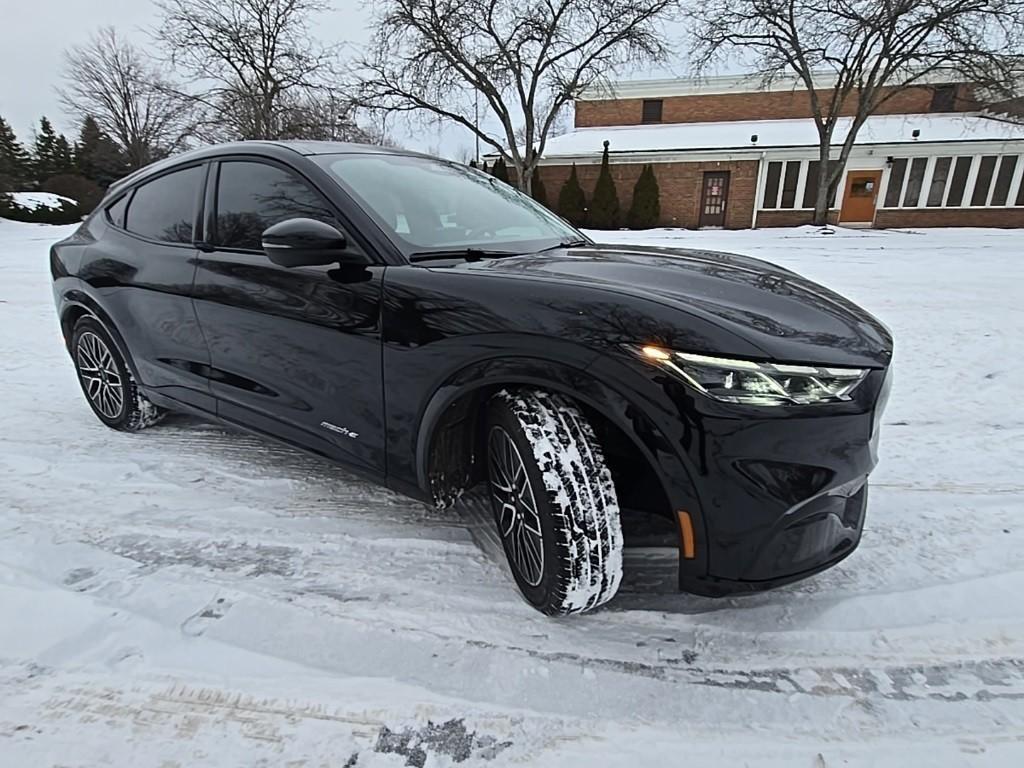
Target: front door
(860,197)
(294,352)
(714,196)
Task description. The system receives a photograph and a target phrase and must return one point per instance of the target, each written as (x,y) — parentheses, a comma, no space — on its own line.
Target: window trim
(213,195)
(197,214)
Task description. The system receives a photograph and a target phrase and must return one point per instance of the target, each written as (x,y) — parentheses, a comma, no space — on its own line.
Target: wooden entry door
(713,198)
(860,196)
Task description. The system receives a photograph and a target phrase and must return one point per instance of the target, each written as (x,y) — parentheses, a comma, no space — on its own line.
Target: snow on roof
(880,129)
(35,200)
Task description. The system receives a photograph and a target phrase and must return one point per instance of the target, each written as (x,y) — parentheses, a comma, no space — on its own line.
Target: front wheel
(107,382)
(554,502)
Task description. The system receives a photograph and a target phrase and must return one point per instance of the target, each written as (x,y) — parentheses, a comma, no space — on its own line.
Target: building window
(896,174)
(984,181)
(781,184)
(1004,178)
(771,186)
(789,183)
(652,111)
(811,186)
(940,175)
(914,182)
(943,98)
(958,186)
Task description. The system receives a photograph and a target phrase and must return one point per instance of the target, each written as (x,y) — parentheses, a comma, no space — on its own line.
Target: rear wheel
(107,381)
(554,502)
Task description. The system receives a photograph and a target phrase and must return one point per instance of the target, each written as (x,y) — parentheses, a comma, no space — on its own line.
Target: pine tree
(97,157)
(14,160)
(45,154)
(63,156)
(540,193)
(604,206)
(53,154)
(645,210)
(499,170)
(572,203)
(484,167)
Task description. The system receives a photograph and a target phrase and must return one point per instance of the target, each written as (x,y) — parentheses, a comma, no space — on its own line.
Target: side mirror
(307,243)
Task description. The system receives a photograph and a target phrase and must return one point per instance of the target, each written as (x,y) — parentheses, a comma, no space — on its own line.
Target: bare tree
(109,79)
(256,70)
(521,62)
(854,55)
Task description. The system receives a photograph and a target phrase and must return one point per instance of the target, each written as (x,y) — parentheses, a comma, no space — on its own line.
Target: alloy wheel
(100,376)
(515,507)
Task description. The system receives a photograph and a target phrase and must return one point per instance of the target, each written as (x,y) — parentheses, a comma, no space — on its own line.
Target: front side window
(424,204)
(165,208)
(254,196)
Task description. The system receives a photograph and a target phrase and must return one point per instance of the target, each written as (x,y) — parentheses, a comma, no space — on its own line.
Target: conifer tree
(539,191)
(572,203)
(604,206)
(645,210)
(499,170)
(97,156)
(14,160)
(52,154)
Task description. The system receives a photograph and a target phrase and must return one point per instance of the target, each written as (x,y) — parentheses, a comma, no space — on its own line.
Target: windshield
(429,205)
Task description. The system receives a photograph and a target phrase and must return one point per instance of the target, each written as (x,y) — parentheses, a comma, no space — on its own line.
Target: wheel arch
(77,305)
(450,436)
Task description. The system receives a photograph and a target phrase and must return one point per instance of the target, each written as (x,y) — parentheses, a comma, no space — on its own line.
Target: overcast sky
(34,34)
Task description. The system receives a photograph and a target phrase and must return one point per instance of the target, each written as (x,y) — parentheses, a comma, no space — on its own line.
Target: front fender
(633,412)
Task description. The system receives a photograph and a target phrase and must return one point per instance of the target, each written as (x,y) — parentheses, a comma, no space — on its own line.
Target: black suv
(433,328)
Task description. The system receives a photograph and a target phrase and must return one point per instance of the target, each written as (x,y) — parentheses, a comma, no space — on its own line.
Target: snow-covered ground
(35,200)
(190,596)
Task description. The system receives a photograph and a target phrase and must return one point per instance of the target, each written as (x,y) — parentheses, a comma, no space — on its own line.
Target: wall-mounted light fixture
(753,139)
(915,133)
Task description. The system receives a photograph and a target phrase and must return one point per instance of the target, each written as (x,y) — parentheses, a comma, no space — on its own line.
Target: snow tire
(574,497)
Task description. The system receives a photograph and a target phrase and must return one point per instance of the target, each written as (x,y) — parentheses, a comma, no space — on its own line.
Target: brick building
(729,154)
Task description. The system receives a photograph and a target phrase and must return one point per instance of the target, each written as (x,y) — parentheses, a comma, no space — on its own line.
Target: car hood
(788,317)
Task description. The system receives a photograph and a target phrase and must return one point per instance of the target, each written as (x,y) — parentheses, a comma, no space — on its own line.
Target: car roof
(264,148)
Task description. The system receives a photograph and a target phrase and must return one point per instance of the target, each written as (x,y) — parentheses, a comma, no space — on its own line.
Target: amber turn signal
(686,533)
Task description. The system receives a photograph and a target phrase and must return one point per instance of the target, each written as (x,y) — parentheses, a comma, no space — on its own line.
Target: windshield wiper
(566,244)
(469,254)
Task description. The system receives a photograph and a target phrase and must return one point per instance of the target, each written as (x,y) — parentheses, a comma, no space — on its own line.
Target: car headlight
(757,383)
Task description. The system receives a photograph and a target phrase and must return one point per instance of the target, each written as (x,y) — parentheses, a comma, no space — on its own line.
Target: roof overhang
(724,84)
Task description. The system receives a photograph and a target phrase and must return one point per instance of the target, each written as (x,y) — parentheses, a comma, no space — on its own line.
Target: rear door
(140,273)
(294,352)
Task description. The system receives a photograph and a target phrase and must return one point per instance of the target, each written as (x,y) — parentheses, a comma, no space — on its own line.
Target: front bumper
(782,493)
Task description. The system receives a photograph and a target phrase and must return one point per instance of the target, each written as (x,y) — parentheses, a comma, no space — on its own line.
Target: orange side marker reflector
(686,529)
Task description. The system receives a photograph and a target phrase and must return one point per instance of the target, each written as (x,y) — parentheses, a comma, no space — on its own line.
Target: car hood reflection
(784,314)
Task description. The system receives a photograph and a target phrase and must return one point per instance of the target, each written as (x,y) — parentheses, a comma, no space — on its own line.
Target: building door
(860,196)
(714,196)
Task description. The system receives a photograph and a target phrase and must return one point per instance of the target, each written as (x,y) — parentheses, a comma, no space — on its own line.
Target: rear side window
(253,196)
(164,209)
(115,211)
